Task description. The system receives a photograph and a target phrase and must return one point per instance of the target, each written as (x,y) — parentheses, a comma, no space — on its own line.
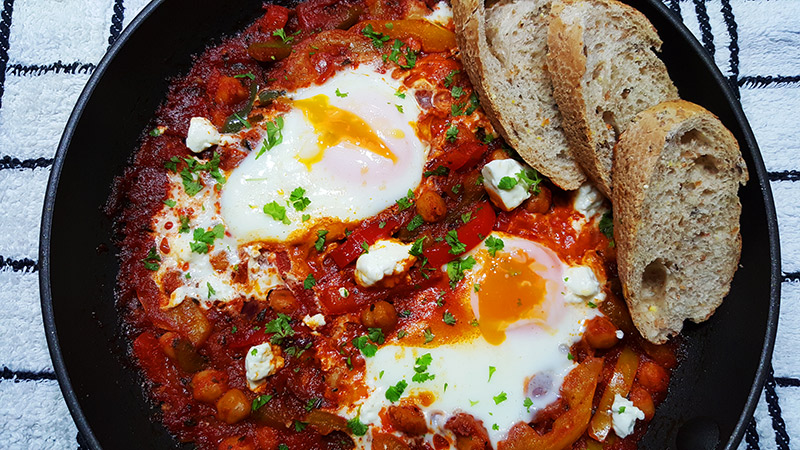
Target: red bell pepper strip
(463,155)
(470,234)
(352,247)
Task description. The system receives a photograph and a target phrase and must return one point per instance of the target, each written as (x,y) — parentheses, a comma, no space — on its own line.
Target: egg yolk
(334,125)
(511,289)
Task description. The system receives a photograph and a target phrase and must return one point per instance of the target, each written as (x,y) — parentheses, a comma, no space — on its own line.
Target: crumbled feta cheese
(383,259)
(315,321)
(202,134)
(260,362)
(624,416)
(588,201)
(441,14)
(494,172)
(582,285)
(620,334)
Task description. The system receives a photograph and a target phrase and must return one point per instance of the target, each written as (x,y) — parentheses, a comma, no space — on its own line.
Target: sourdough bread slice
(504,51)
(603,62)
(677,171)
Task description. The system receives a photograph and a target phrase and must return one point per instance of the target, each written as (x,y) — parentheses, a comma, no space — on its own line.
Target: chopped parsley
(449,318)
(260,401)
(500,398)
(283,447)
(456,247)
(306,217)
(416,248)
(494,244)
(282,34)
(439,170)
(274,136)
(477,287)
(570,357)
(277,212)
(415,223)
(310,281)
(407,201)
(170,202)
(300,426)
(152,260)
(507,183)
(452,133)
(246,75)
(492,370)
(421,369)
(456,268)
(527,403)
(298,199)
(394,392)
(399,108)
(378,39)
(428,334)
(495,426)
(281,327)
(376,335)
(365,247)
(621,409)
(366,348)
(203,240)
(394,56)
(466,217)
(211,290)
(320,244)
(457,91)
(355,425)
(448,80)
(606,225)
(400,94)
(157,131)
(341,94)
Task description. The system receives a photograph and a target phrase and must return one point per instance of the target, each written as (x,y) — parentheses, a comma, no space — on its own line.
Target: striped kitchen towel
(49,48)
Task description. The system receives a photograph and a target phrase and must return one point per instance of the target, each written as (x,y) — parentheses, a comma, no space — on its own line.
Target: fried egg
(350,144)
(513,367)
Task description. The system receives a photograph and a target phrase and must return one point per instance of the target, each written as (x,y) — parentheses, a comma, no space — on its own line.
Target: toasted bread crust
(486,73)
(678,277)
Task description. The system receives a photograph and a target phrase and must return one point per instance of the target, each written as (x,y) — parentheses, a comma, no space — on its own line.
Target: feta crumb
(494,172)
(624,416)
(315,321)
(620,334)
(589,201)
(202,134)
(441,14)
(582,285)
(260,362)
(383,259)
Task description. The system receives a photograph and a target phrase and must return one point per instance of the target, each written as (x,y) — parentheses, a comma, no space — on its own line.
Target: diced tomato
(352,247)
(470,234)
(274,18)
(463,155)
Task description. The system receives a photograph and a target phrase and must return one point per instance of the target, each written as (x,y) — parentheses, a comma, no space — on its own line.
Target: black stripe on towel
(786,175)
(774,408)
(7,162)
(56,67)
(116,22)
(5,32)
(763,81)
(705,25)
(19,265)
(751,435)
(24,375)
(733,47)
(787,382)
(675,6)
(790,276)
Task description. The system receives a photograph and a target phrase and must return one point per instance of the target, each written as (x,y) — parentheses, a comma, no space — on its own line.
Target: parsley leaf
(456,247)
(277,212)
(452,133)
(400,94)
(184,224)
(407,201)
(507,183)
(298,199)
(377,38)
(500,398)
(341,94)
(355,425)
(152,260)
(260,401)
(170,202)
(282,34)
(492,370)
(448,80)
(415,223)
(416,248)
(456,268)
(466,217)
(203,240)
(376,335)
(457,91)
(494,244)
(320,244)
(310,281)
(281,327)
(428,335)
(449,318)
(421,369)
(394,392)
(527,403)
(439,170)
(211,290)
(606,225)
(246,75)
(274,136)
(366,348)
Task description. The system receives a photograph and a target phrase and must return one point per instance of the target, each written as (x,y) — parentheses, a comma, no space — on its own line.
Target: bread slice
(603,62)
(677,171)
(504,51)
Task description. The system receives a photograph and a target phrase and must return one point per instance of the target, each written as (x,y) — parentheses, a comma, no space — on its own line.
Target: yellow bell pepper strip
(620,383)
(433,38)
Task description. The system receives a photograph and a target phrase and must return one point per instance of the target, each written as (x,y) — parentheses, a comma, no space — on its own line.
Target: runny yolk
(334,125)
(510,290)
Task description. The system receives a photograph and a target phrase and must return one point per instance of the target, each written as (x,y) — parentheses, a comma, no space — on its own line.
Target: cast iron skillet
(713,392)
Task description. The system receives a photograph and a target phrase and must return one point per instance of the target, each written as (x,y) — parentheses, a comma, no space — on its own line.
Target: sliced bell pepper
(352,247)
(432,37)
(578,392)
(620,383)
(269,51)
(464,155)
(470,234)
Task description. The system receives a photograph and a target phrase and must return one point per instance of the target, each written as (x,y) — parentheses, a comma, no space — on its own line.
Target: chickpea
(282,300)
(431,206)
(601,333)
(408,419)
(380,314)
(236,443)
(209,385)
(539,203)
(653,377)
(642,400)
(233,407)
(168,341)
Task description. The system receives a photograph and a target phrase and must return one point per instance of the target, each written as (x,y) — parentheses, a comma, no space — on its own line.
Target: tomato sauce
(320,373)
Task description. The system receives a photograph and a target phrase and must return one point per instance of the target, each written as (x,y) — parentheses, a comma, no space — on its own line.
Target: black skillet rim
(63,146)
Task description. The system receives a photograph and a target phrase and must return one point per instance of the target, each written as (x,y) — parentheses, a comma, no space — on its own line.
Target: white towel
(49,48)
